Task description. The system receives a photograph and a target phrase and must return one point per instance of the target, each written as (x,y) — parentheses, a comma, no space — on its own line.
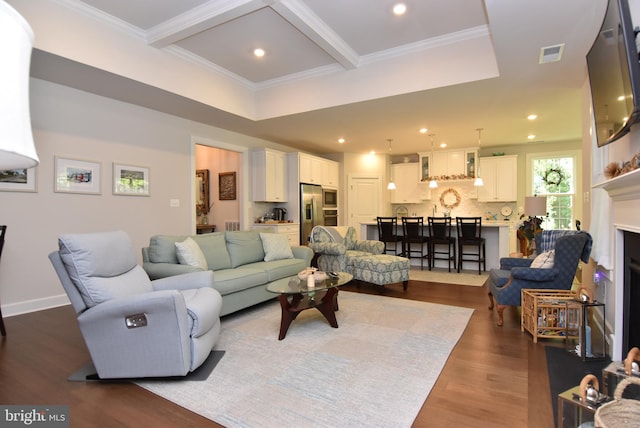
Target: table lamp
(535,206)
(17,149)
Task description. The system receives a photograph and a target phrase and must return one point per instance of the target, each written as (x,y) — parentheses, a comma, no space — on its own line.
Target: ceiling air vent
(551,53)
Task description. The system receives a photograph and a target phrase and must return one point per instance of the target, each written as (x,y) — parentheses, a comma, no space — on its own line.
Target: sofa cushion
(162,248)
(189,253)
(244,247)
(278,269)
(276,246)
(228,281)
(102,266)
(214,247)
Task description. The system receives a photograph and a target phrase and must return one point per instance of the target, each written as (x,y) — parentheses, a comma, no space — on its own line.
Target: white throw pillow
(189,253)
(276,246)
(544,260)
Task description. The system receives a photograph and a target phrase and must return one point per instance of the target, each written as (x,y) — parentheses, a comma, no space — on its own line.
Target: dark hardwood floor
(495,377)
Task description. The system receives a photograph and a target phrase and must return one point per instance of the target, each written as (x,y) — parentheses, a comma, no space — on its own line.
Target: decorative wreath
(553,176)
(450,205)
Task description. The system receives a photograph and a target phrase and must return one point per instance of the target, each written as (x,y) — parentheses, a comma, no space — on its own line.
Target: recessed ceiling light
(259,52)
(373,152)
(532,117)
(399,9)
(443,145)
(340,140)
(423,130)
(531,136)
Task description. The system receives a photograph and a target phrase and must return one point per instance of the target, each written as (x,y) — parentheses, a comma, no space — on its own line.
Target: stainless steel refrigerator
(310,210)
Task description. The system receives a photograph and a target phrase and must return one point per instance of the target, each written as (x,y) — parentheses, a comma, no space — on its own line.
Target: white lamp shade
(433,184)
(478,182)
(391,186)
(535,206)
(17,149)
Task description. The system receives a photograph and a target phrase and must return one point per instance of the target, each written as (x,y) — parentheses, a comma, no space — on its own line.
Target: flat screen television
(614,74)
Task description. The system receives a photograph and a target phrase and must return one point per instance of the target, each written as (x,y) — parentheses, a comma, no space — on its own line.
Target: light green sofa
(237,259)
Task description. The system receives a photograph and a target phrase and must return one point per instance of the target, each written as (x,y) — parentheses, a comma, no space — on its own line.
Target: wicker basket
(622,412)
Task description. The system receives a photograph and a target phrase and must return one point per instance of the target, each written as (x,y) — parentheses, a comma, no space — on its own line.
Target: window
(554,177)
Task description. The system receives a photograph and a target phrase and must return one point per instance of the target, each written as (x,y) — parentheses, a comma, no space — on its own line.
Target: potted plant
(527,232)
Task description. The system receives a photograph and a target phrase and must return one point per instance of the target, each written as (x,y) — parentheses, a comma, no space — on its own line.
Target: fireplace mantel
(623,187)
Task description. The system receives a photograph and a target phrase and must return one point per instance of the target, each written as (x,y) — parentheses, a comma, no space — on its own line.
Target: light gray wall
(75,124)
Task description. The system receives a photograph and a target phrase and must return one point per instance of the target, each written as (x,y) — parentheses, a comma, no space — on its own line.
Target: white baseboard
(34,305)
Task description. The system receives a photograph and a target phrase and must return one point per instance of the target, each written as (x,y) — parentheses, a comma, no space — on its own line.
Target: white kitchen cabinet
(331,174)
(269,171)
(406,176)
(500,177)
(292,230)
(455,164)
(311,169)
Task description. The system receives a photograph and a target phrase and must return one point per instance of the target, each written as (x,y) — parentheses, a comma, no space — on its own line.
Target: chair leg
(2,329)
(501,309)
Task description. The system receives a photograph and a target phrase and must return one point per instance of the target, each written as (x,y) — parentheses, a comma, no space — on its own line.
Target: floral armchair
(338,247)
(506,283)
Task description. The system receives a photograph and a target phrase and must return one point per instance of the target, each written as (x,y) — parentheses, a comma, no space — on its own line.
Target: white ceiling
(308,39)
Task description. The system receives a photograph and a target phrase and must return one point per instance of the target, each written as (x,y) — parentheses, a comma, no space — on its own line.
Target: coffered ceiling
(353,69)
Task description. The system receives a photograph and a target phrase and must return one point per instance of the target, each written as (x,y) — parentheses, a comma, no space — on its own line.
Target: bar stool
(440,234)
(413,233)
(388,233)
(470,235)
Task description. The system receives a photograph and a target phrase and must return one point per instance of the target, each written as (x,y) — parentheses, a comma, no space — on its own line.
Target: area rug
(567,370)
(444,276)
(375,370)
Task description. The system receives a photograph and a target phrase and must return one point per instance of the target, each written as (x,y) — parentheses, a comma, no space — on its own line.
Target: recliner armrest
(328,248)
(155,349)
(508,263)
(534,274)
(185,281)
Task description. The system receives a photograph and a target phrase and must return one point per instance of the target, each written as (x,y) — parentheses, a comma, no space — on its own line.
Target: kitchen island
(495,233)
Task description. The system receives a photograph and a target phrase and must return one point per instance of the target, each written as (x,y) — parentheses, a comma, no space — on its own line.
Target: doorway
(224,212)
(364,196)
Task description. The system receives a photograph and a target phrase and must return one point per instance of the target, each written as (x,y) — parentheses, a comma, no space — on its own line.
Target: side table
(585,329)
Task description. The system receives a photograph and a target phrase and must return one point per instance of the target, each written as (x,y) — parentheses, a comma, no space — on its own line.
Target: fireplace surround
(624,192)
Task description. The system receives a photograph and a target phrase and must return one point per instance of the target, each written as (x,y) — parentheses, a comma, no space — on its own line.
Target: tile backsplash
(468,207)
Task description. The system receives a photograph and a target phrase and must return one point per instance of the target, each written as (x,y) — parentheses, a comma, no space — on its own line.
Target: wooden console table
(205,228)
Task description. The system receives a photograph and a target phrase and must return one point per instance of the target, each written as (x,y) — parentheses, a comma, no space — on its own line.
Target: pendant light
(478,181)
(391,185)
(433,184)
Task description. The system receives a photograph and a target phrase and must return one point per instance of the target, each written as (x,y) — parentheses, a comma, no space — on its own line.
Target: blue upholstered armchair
(506,283)
(338,247)
(132,326)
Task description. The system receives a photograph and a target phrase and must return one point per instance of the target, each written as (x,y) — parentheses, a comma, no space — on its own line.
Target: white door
(364,196)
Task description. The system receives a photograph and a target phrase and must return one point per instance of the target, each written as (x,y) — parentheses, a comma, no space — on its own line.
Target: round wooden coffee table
(295,297)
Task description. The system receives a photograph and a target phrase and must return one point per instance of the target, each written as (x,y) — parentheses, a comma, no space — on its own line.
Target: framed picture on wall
(202,191)
(18,180)
(130,180)
(77,176)
(227,186)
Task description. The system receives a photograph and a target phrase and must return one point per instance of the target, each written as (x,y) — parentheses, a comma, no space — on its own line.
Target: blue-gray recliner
(506,283)
(132,326)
